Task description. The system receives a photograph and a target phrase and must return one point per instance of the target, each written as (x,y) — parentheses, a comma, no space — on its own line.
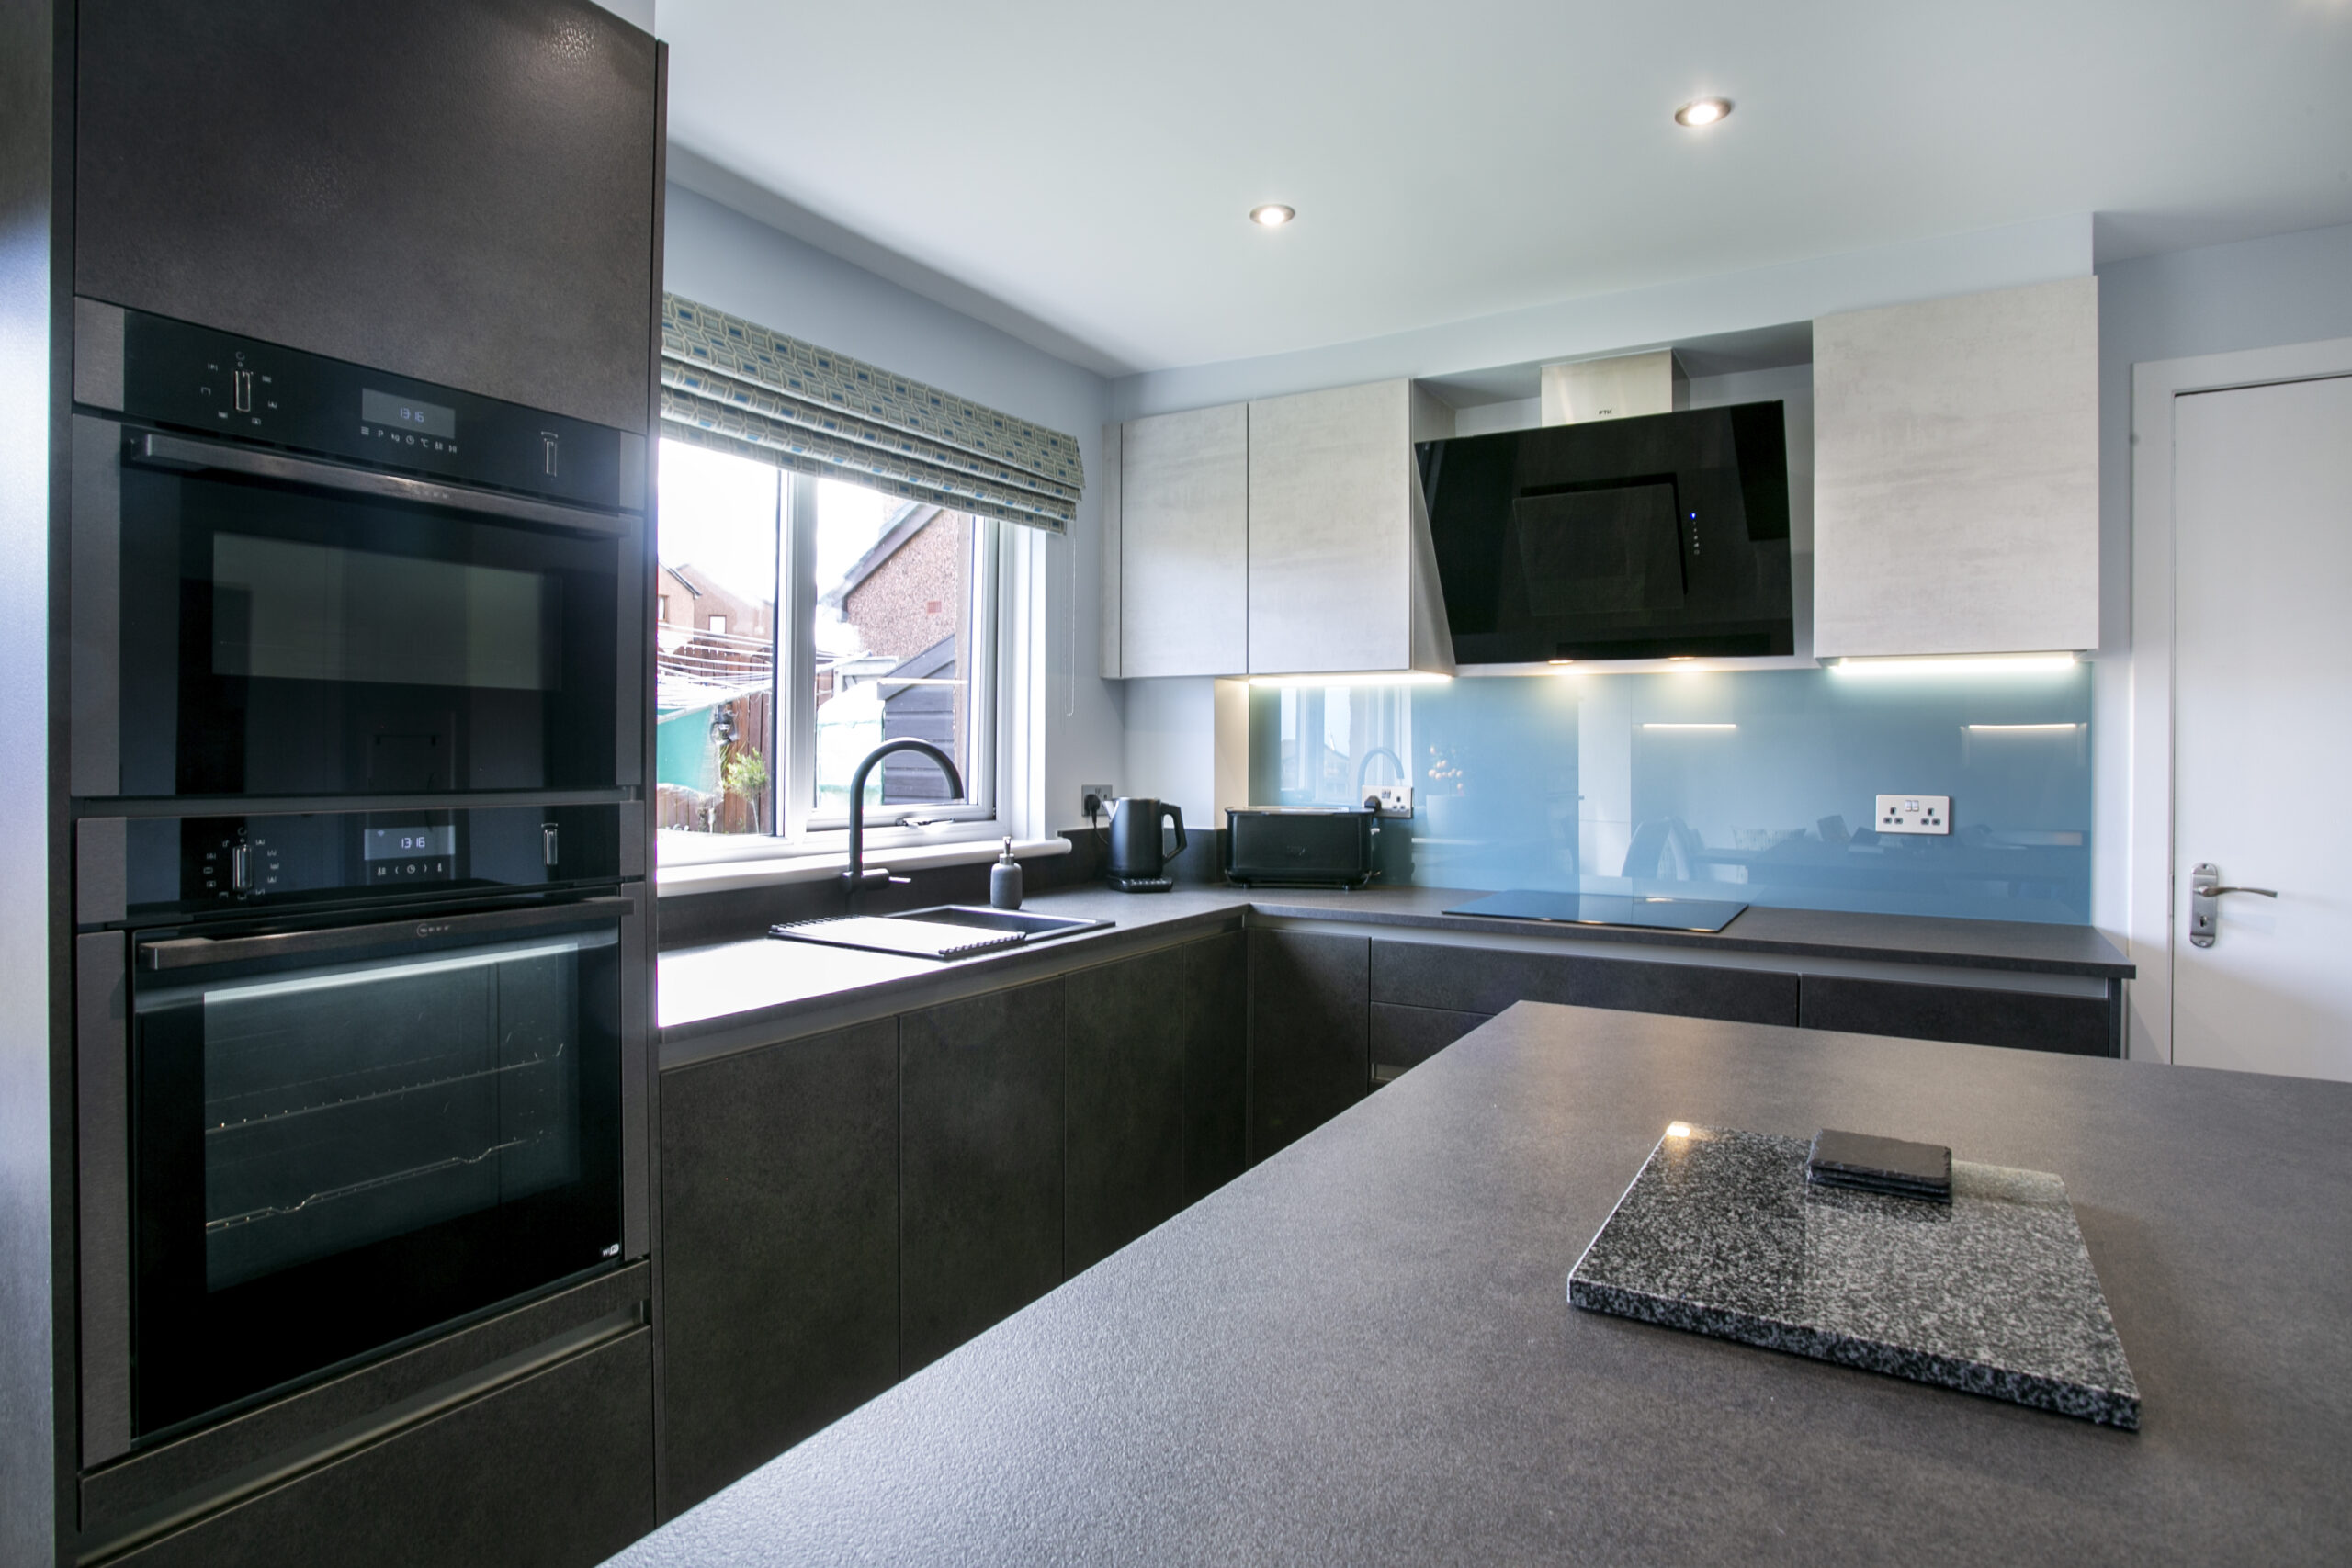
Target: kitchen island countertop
(1361,1352)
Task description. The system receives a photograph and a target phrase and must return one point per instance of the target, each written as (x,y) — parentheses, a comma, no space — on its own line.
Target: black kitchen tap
(857,878)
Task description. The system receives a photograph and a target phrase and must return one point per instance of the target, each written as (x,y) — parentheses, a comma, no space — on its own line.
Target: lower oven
(313,1140)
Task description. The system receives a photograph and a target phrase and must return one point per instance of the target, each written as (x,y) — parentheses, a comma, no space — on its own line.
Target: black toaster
(1319,846)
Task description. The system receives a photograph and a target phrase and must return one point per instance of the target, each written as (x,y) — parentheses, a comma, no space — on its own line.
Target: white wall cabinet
(1180,548)
(1282,536)
(1956,474)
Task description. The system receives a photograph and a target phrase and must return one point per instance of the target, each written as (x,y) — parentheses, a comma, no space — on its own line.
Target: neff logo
(429,929)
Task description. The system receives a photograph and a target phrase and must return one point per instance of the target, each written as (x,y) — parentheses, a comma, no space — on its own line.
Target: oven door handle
(198,951)
(194,457)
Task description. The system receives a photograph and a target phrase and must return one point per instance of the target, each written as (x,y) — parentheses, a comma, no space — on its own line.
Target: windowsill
(772,870)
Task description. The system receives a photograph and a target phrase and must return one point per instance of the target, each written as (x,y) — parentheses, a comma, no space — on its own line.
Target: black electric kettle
(1138,864)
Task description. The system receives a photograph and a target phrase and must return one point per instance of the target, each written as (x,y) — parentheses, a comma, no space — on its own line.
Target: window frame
(797,832)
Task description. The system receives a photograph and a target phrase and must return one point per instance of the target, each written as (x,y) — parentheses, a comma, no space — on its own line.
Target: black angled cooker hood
(1647,538)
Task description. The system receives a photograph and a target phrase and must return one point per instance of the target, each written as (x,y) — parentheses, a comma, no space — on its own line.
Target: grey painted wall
(723,258)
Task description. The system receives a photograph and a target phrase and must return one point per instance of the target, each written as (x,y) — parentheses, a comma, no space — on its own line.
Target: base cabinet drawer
(555,1471)
(1968,1015)
(1404,1037)
(1487,980)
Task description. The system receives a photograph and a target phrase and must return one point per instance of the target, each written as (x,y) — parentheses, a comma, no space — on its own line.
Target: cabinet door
(1123,1103)
(1310,1054)
(1331,530)
(780,1249)
(1217,1063)
(473,201)
(1184,543)
(979,1165)
(1956,474)
(1483,980)
(555,1471)
(1971,1015)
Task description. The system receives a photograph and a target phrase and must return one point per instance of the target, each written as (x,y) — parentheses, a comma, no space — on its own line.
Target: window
(832,617)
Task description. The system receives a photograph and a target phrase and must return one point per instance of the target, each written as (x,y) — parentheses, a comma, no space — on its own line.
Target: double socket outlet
(1913,814)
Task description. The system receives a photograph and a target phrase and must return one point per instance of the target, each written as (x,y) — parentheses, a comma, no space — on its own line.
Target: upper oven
(294,577)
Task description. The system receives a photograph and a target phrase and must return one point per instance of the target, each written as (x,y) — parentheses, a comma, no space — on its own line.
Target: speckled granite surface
(1993,1293)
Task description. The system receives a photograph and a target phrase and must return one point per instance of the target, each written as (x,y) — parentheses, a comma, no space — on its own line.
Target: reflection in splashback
(1758,784)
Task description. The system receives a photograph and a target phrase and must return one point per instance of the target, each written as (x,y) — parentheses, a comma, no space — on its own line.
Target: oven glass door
(290,639)
(340,1146)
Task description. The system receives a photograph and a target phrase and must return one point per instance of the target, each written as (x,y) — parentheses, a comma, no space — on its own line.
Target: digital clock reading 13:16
(397,843)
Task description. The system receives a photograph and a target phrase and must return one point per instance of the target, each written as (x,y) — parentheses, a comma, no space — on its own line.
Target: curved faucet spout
(857,877)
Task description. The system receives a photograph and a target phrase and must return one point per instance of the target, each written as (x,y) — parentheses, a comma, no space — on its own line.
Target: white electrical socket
(1913,814)
(1396,800)
(1103,793)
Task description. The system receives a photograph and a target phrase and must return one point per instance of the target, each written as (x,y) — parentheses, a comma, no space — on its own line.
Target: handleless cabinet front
(1309,1046)
(1183,522)
(1331,531)
(780,1249)
(979,1165)
(1125,1084)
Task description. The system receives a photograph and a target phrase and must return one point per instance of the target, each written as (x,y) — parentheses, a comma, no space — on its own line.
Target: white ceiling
(1090,166)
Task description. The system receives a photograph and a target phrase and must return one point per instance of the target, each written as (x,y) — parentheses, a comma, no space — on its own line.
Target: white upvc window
(851,618)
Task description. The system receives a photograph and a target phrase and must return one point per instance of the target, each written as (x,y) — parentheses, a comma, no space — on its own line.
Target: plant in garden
(746,774)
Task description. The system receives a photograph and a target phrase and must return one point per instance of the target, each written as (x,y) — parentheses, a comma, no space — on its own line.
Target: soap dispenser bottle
(1004,880)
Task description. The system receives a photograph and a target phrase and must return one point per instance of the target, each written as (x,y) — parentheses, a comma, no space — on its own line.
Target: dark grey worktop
(713,994)
(1360,1351)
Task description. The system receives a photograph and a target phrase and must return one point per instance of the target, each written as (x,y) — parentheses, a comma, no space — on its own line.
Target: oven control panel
(194,378)
(191,865)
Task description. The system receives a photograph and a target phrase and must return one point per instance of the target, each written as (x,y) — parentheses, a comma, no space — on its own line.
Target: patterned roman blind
(729,384)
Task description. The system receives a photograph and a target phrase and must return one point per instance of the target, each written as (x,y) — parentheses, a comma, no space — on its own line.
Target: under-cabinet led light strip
(1985,664)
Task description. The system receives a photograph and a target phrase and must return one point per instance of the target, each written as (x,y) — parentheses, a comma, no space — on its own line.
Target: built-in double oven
(356,762)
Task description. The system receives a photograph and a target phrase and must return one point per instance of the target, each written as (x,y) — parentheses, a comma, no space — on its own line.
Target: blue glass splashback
(1756,785)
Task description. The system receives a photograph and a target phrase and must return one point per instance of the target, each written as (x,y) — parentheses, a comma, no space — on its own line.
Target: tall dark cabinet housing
(344,391)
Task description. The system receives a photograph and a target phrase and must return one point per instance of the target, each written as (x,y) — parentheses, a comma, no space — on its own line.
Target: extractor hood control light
(1913,814)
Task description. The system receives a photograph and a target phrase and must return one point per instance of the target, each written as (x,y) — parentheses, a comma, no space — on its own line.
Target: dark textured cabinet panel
(780,1249)
(1217,1063)
(1471,980)
(555,1471)
(1404,1037)
(1124,1040)
(1971,1015)
(979,1165)
(459,193)
(1308,1050)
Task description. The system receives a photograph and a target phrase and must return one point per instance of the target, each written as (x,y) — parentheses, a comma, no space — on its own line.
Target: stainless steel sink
(944,931)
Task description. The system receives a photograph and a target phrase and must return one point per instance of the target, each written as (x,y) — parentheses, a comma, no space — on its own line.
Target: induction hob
(1604,909)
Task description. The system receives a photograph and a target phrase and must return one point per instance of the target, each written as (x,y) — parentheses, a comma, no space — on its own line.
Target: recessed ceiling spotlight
(1701,111)
(1271,215)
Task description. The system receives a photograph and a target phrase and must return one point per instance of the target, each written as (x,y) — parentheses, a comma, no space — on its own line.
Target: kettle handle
(1175,814)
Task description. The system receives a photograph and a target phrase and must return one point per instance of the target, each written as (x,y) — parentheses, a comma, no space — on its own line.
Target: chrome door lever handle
(2204,915)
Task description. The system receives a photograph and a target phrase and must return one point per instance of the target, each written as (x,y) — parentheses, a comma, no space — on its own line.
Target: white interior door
(2262,726)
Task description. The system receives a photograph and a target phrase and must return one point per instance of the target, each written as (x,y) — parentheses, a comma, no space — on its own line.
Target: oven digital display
(408,843)
(407,414)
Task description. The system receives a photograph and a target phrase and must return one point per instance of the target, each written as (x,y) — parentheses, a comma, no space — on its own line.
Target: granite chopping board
(1720,1235)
